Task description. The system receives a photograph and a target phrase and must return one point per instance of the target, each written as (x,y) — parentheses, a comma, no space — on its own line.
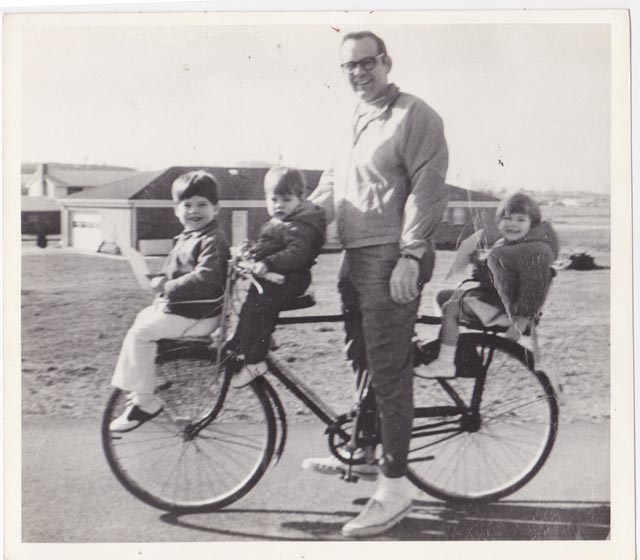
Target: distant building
(56,180)
(44,182)
(39,214)
(137,211)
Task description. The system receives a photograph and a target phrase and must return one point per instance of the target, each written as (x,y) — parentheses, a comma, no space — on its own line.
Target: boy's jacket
(196,269)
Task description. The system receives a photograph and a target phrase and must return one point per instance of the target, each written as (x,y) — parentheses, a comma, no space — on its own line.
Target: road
(70,495)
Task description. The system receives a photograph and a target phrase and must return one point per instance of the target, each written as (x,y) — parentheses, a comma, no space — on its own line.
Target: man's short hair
(286,181)
(520,203)
(357,35)
(195,183)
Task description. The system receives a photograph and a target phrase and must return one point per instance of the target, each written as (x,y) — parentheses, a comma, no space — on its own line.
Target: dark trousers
(259,313)
(379,334)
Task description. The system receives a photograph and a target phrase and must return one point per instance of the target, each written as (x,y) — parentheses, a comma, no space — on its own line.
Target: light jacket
(196,269)
(389,187)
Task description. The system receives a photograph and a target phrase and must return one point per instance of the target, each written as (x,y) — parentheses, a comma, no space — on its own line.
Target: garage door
(86,230)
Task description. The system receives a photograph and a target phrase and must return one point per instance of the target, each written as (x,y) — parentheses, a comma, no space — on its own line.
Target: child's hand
(245,249)
(259,269)
(157,284)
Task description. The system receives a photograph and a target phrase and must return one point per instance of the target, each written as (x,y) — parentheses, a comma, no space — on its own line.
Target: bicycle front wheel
(497,430)
(208,447)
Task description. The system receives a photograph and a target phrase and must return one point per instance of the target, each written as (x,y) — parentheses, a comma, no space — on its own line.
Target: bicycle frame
(328,416)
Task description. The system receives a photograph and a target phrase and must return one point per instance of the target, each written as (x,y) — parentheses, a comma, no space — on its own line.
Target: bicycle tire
(165,466)
(518,424)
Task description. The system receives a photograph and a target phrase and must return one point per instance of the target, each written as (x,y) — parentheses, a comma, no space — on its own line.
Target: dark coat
(196,269)
(292,245)
(521,270)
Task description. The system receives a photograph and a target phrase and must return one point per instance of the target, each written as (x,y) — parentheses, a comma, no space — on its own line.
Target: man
(387,199)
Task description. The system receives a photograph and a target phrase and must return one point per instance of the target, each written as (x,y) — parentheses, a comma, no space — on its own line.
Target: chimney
(42,168)
(38,186)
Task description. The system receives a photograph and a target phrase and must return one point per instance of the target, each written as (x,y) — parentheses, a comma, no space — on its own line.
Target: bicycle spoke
(503,443)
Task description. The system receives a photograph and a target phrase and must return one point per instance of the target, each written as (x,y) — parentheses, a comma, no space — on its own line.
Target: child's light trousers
(135,370)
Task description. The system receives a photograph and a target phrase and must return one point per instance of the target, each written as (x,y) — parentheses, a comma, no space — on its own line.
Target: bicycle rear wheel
(208,447)
(458,455)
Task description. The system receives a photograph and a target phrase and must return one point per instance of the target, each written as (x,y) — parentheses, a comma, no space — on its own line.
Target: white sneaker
(334,466)
(437,368)
(377,517)
(248,373)
(134,416)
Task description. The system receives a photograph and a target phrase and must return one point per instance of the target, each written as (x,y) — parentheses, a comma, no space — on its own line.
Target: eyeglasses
(367,63)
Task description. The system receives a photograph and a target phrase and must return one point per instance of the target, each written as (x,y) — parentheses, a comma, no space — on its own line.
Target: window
(459,216)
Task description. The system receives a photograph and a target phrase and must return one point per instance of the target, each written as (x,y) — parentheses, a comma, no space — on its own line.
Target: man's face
(367,84)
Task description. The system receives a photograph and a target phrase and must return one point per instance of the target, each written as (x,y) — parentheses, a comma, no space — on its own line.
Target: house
(40,215)
(43,182)
(137,211)
(56,180)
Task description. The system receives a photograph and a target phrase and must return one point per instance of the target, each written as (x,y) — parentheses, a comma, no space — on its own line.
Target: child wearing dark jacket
(188,296)
(288,244)
(514,280)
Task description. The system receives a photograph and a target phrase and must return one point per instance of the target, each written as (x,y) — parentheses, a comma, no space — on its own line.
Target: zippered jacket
(292,245)
(388,183)
(196,269)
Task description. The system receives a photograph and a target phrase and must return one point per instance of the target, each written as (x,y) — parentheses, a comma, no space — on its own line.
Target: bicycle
(477,437)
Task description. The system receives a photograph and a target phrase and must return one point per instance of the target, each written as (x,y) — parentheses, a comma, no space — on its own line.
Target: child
(288,245)
(194,270)
(516,281)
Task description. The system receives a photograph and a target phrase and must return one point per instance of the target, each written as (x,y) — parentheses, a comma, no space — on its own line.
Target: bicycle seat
(300,302)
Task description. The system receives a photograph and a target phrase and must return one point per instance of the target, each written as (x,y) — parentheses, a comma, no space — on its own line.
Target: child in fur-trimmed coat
(514,280)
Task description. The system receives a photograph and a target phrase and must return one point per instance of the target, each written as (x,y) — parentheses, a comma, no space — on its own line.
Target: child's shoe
(443,366)
(136,414)
(248,373)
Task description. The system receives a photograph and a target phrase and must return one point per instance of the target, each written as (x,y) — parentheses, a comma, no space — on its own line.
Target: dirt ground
(76,309)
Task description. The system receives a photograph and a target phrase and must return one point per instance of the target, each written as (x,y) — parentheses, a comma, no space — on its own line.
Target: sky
(525,106)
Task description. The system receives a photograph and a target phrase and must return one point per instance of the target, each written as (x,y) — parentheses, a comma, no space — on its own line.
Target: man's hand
(404,280)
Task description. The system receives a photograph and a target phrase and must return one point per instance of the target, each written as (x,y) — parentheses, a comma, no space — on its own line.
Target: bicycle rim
(496,453)
(165,465)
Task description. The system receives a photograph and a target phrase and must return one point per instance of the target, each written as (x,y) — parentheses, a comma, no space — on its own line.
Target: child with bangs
(288,244)
(514,279)
(189,292)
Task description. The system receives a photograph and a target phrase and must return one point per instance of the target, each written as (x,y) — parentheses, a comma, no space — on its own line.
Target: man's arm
(323,195)
(426,158)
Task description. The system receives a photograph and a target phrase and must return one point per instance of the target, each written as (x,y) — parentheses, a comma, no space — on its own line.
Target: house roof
(236,183)
(86,177)
(79,176)
(38,204)
(123,189)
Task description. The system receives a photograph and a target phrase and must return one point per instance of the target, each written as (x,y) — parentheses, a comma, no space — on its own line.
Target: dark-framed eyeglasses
(367,63)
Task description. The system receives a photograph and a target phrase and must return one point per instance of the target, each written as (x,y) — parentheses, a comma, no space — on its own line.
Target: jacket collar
(212,225)
(365,111)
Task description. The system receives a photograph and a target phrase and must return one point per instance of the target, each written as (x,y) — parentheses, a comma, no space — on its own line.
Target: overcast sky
(535,97)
